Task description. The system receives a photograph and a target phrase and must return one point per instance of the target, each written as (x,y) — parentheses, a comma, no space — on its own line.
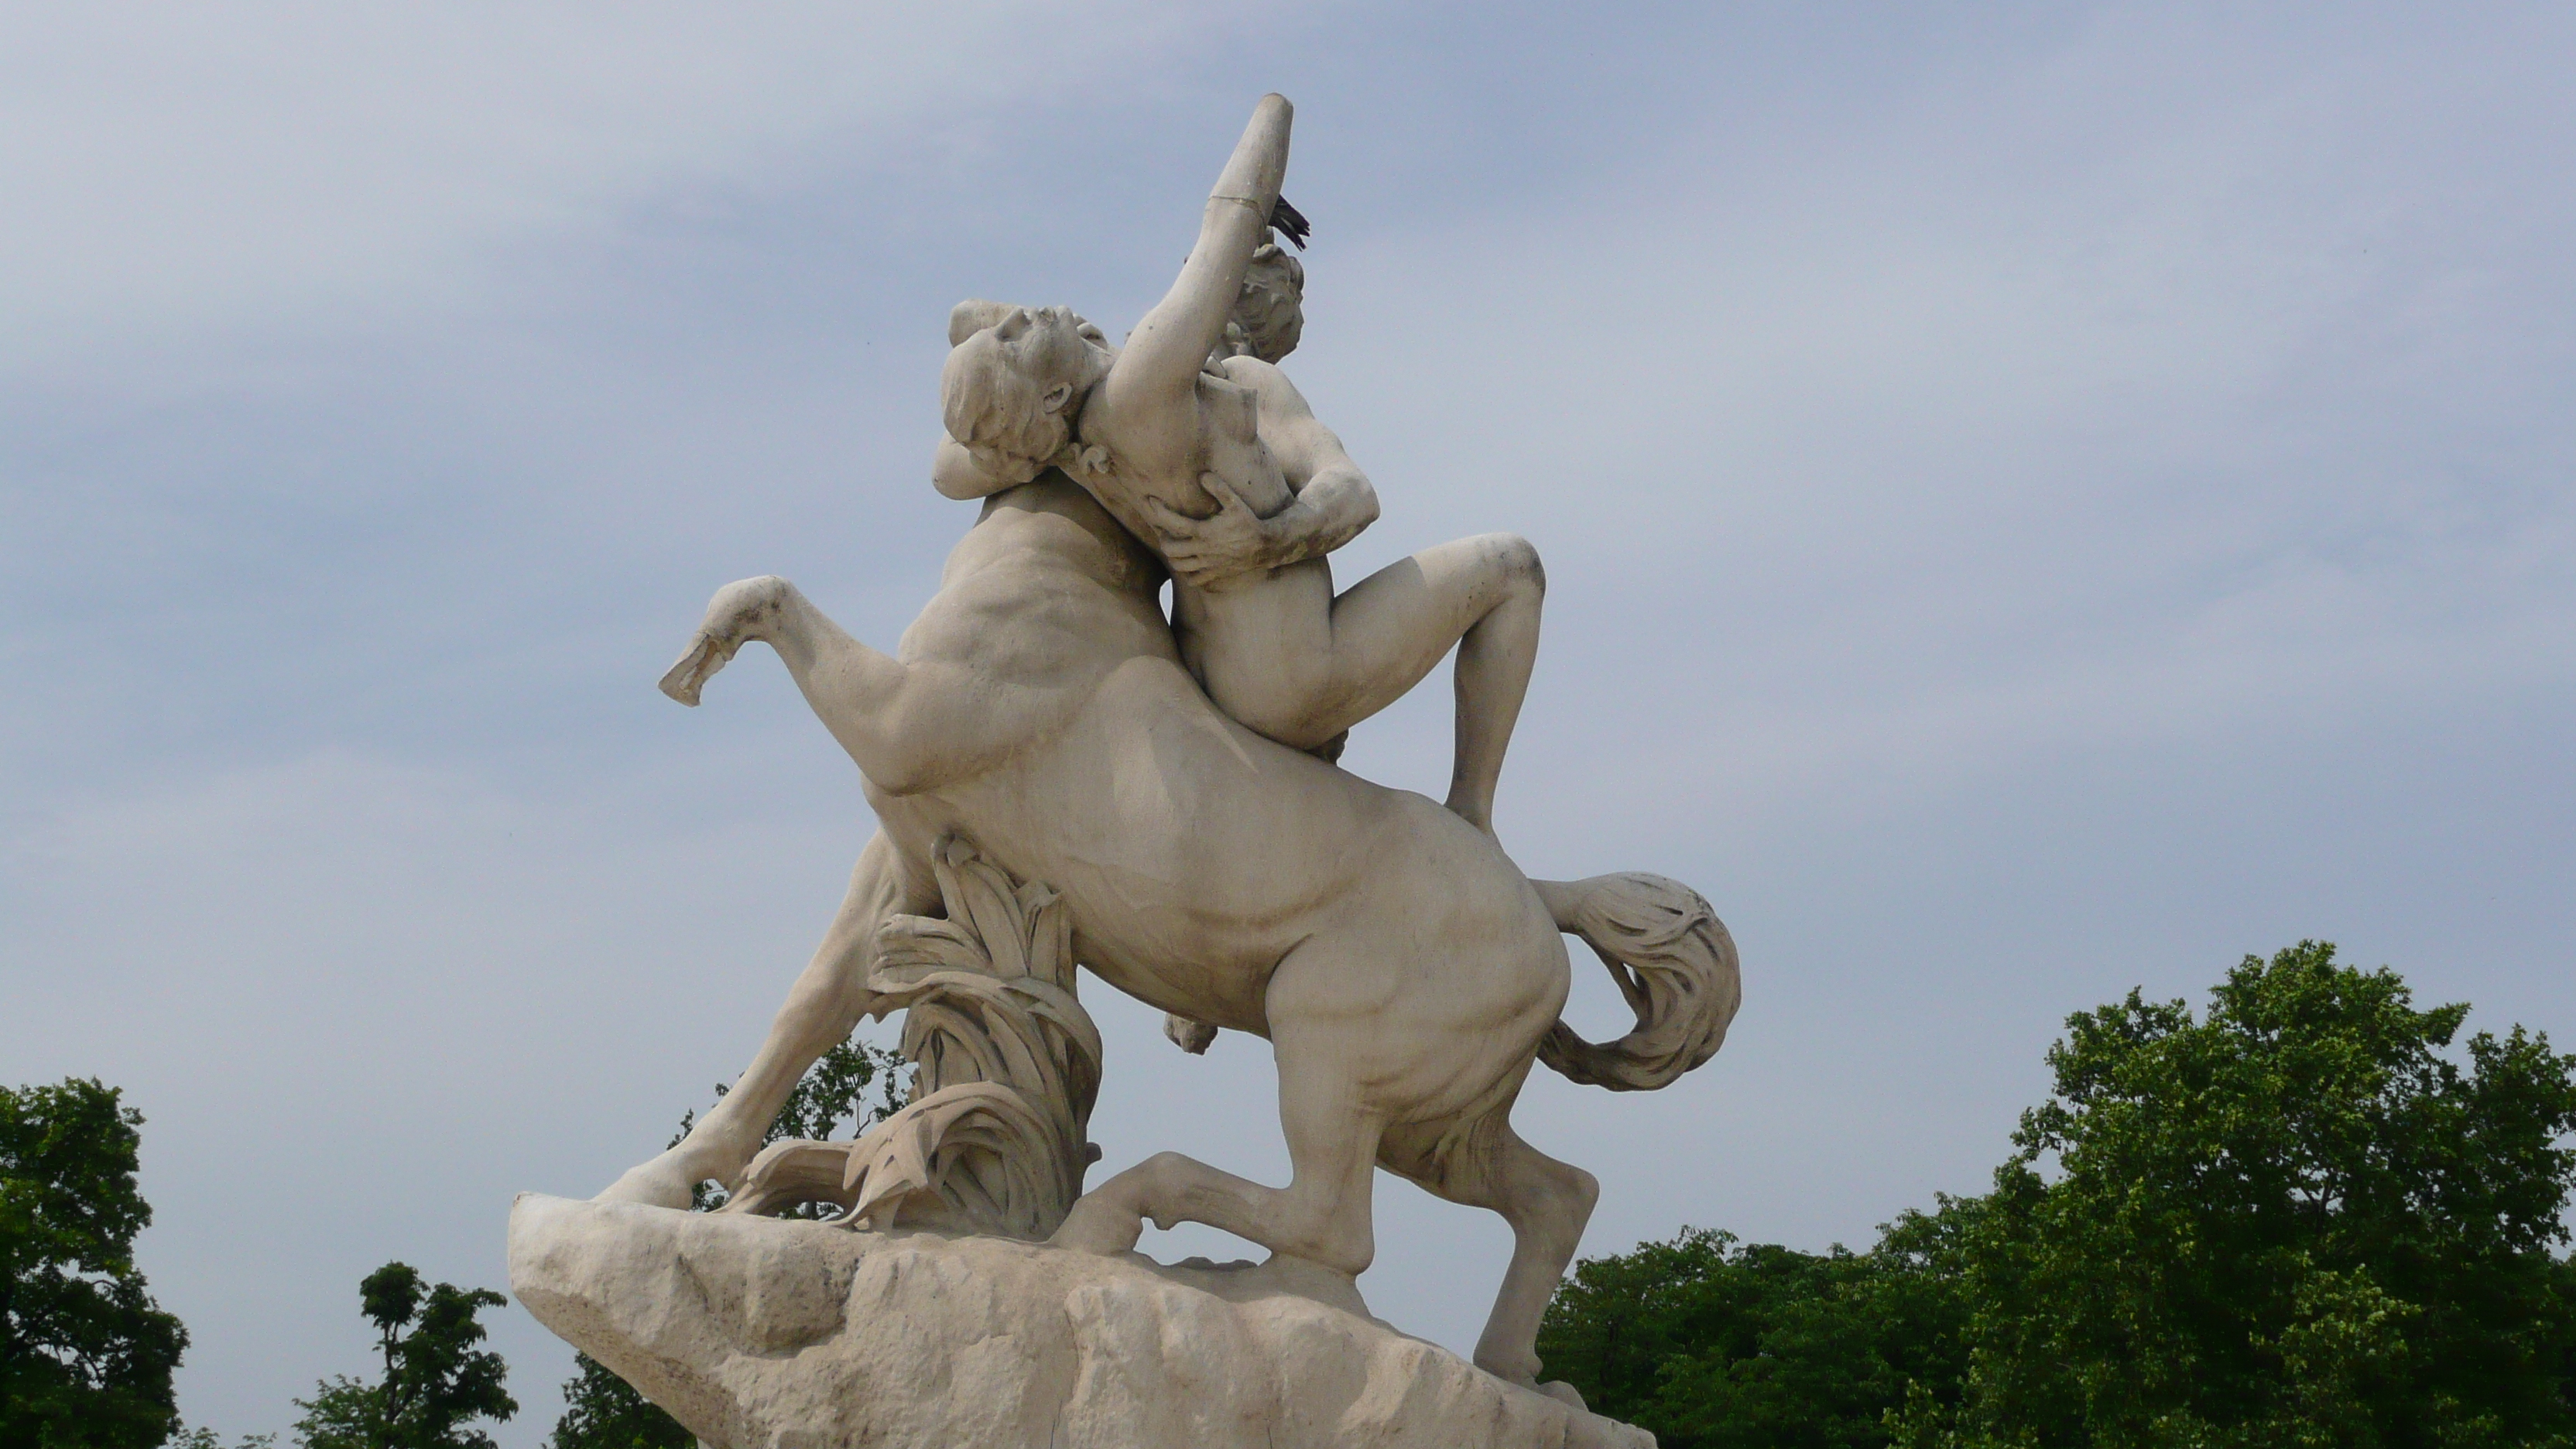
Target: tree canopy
(2310,1216)
(603,1411)
(85,1354)
(1707,1341)
(436,1382)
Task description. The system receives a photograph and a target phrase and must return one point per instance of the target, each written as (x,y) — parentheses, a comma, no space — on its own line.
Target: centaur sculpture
(1170,780)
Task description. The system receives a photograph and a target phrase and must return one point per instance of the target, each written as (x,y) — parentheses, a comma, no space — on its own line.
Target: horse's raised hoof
(1099,1227)
(690,675)
(1566,1394)
(738,612)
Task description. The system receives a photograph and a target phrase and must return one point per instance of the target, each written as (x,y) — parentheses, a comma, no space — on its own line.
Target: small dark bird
(1291,223)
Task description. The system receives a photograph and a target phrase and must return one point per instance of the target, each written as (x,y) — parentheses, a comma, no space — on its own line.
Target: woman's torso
(1154,455)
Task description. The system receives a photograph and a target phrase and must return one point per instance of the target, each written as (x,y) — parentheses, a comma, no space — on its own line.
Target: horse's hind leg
(1547,1202)
(1322,1216)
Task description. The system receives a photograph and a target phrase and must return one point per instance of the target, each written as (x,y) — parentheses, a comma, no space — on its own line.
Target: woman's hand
(1232,543)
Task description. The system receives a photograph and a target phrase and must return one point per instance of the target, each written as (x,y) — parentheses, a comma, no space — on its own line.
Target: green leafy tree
(2302,1219)
(85,1354)
(2310,1217)
(436,1381)
(1708,1342)
(603,1411)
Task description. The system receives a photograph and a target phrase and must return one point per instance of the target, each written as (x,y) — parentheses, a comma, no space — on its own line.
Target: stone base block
(763,1333)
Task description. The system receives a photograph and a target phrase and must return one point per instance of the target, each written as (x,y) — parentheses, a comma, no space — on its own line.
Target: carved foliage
(1006,1068)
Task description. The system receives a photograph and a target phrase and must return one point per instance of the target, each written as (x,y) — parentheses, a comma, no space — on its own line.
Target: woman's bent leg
(1268,664)
(1494,662)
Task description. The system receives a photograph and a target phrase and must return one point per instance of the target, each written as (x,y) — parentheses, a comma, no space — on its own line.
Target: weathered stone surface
(759,1332)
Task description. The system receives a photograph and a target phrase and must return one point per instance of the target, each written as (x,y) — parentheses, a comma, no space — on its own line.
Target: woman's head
(1013,383)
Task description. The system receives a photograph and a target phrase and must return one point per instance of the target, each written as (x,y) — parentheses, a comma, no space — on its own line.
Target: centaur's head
(1014,382)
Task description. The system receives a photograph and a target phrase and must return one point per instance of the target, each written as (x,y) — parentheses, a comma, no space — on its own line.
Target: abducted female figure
(1218,464)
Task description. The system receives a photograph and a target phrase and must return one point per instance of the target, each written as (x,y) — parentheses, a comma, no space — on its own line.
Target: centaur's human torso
(1140,801)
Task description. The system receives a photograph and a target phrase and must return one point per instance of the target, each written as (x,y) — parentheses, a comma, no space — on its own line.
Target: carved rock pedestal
(758,1332)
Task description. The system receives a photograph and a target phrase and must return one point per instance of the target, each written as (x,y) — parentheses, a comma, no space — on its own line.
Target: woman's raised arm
(1172,343)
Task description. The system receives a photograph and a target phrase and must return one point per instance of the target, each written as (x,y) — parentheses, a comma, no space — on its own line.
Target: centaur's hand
(1230,544)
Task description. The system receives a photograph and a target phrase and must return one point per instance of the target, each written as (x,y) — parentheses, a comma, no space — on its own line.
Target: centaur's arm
(956,474)
(1159,368)
(1331,499)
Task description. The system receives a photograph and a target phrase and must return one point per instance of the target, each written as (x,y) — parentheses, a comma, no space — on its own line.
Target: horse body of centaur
(1405,971)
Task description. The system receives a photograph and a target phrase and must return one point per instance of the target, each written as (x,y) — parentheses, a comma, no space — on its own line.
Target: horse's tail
(1672,959)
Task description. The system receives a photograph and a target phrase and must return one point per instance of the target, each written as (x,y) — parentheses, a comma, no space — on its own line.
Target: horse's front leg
(873,703)
(909,726)
(821,1010)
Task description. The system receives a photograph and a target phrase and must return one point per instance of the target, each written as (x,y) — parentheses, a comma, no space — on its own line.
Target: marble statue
(1063,774)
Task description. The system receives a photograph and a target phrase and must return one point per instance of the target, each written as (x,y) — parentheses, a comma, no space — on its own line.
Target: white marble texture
(1163,782)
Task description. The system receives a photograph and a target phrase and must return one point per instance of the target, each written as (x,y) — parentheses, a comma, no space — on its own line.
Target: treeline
(2310,1216)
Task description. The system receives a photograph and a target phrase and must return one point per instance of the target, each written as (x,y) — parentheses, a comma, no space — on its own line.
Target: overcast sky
(2039,501)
